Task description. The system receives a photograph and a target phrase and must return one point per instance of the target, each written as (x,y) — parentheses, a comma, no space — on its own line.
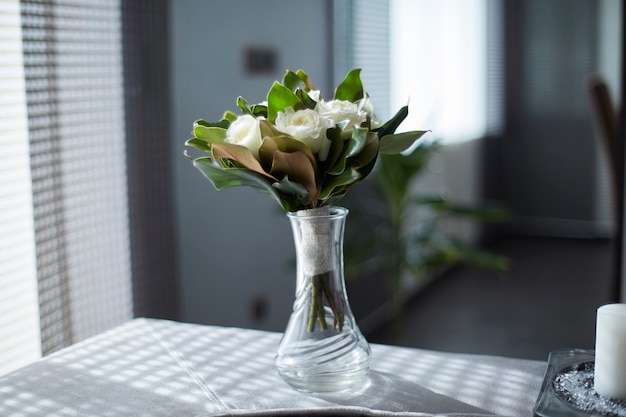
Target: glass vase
(322,348)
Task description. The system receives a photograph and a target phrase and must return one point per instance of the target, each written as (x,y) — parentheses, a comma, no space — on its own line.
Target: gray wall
(235,244)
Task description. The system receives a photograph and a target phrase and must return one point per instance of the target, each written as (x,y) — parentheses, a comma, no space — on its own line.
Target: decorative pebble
(574,385)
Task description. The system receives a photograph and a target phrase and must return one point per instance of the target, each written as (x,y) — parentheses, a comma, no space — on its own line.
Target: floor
(546,301)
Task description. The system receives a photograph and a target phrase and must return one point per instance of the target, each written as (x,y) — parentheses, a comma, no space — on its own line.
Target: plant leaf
(293,82)
(224,123)
(230,116)
(351,147)
(283,143)
(347,177)
(365,160)
(351,88)
(243,104)
(400,142)
(201,144)
(234,177)
(259,110)
(298,167)
(209,134)
(392,124)
(304,77)
(241,155)
(279,98)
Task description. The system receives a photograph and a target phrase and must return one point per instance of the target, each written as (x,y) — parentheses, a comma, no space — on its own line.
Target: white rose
(304,125)
(341,111)
(365,105)
(245,131)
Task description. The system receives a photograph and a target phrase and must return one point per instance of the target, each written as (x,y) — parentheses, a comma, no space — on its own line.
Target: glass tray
(551,404)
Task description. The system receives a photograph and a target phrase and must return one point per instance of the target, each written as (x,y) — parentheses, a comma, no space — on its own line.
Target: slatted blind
(74,85)
(361,40)
(19,312)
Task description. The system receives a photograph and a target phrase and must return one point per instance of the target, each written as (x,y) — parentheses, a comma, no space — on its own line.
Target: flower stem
(320,288)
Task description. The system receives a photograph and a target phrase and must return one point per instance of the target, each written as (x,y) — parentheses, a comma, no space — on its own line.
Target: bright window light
(438,66)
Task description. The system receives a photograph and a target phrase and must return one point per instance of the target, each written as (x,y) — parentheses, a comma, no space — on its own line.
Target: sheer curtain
(443,57)
(19,310)
(86,188)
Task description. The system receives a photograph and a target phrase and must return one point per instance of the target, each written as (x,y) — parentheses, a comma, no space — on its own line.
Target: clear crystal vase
(322,349)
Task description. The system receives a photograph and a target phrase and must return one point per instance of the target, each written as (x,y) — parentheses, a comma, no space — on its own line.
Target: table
(150,367)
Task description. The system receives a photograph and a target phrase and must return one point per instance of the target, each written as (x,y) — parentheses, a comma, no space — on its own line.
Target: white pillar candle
(610,363)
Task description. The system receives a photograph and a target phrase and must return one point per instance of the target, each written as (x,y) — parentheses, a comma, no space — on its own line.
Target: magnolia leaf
(351,147)
(286,186)
(298,167)
(259,110)
(293,82)
(356,142)
(400,142)
(243,105)
(268,129)
(230,116)
(304,77)
(224,123)
(347,177)
(351,88)
(279,98)
(234,177)
(335,197)
(283,143)
(306,100)
(336,145)
(241,155)
(209,134)
(201,144)
(392,124)
(367,155)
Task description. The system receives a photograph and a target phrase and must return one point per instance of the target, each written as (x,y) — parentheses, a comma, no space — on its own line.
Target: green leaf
(351,147)
(230,116)
(347,177)
(308,102)
(235,177)
(365,160)
(209,134)
(201,144)
(336,146)
(351,88)
(279,98)
(305,77)
(224,123)
(397,143)
(241,155)
(392,124)
(243,105)
(283,143)
(259,110)
(293,82)
(286,186)
(298,167)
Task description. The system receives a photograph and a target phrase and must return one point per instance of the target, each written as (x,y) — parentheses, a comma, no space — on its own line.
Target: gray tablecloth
(161,368)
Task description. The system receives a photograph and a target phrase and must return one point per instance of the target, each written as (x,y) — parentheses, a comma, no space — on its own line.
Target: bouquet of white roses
(300,149)
(306,153)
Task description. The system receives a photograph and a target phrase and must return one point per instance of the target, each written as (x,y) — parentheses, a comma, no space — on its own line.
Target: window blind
(19,312)
(361,40)
(74,86)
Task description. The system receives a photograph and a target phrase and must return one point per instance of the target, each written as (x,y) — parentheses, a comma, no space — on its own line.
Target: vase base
(331,364)
(333,382)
